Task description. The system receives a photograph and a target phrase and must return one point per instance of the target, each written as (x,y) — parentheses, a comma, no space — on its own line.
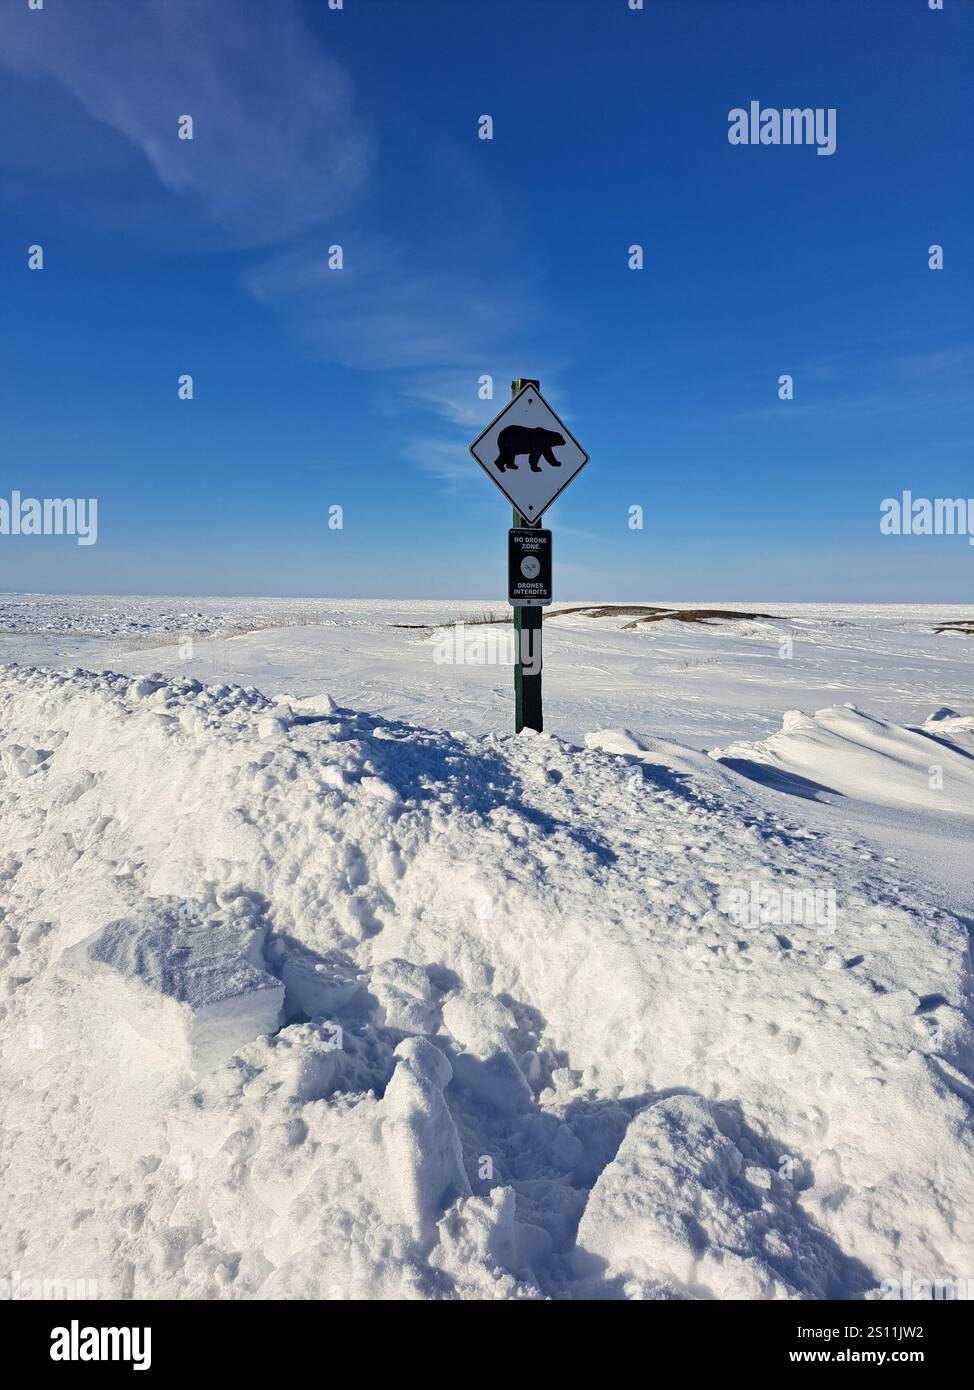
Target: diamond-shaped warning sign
(529,454)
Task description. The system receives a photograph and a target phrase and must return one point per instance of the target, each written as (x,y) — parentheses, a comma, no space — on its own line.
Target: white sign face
(529,454)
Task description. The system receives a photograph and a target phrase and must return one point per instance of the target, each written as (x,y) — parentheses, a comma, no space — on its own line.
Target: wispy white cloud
(867,380)
(446,459)
(278,145)
(455,395)
(391,307)
(282,160)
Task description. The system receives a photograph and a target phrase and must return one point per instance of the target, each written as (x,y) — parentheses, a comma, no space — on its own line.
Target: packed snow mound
(533,1042)
(197,989)
(693,1207)
(845,751)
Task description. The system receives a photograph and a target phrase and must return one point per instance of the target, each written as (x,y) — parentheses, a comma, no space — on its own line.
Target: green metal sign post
(527,635)
(528,429)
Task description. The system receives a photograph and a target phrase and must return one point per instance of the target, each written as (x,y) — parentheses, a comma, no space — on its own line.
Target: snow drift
(524,1050)
(845,751)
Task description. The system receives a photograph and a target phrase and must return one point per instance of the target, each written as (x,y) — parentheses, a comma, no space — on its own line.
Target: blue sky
(466,257)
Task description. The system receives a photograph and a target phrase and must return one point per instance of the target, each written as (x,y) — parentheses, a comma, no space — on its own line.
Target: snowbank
(529,1045)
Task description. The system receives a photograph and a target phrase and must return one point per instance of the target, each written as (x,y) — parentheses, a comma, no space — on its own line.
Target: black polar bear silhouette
(522,439)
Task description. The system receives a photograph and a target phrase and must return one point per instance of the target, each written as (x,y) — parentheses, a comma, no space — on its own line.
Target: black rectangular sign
(529,568)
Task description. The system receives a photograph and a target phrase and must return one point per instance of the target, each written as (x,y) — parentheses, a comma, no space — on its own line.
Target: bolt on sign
(529,454)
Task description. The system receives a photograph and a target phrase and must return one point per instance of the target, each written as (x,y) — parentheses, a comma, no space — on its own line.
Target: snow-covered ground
(699,683)
(363,996)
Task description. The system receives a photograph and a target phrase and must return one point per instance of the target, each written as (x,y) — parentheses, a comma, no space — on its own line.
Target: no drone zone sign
(529,453)
(529,567)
